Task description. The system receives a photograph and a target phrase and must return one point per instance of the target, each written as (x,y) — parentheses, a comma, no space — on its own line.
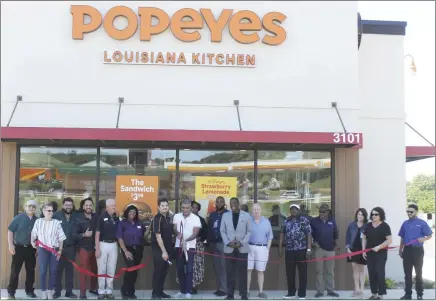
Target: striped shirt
(50,233)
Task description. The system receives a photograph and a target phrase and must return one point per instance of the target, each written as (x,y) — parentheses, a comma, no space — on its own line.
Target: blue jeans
(185,270)
(47,260)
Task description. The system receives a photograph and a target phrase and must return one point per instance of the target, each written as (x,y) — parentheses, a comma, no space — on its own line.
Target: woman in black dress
(353,244)
(377,236)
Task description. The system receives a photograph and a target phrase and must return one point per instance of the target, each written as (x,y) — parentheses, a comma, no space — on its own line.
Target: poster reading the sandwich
(207,189)
(140,191)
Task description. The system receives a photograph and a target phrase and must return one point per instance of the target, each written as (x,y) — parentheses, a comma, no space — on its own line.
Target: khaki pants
(107,263)
(324,271)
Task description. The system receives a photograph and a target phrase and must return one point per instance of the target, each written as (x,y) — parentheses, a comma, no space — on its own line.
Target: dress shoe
(83,297)
(101,297)
(31,295)
(110,297)
(70,295)
(56,295)
(11,296)
(165,296)
(94,292)
(220,293)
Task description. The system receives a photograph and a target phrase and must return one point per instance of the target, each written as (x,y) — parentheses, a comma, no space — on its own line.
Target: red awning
(414,153)
(196,136)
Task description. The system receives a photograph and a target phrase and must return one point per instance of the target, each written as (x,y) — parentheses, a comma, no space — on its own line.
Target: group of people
(240,242)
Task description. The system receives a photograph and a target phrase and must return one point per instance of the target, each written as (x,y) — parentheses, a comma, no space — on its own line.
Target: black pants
(376,271)
(68,252)
(291,260)
(413,257)
(128,287)
(159,272)
(22,255)
(240,265)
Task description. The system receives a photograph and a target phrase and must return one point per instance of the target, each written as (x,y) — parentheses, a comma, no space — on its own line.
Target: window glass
(52,174)
(285,178)
(138,177)
(205,175)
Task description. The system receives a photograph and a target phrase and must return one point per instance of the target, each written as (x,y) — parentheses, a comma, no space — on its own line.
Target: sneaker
(188,296)
(94,292)
(165,296)
(101,296)
(289,297)
(155,297)
(49,294)
(262,295)
(419,298)
(30,295)
(44,295)
(11,296)
(319,295)
(70,295)
(333,294)
(179,295)
(406,297)
(110,297)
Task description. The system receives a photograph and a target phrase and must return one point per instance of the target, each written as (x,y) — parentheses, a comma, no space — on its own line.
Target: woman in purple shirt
(130,235)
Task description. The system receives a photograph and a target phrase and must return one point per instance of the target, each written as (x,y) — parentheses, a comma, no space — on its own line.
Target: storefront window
(205,175)
(51,174)
(138,177)
(284,178)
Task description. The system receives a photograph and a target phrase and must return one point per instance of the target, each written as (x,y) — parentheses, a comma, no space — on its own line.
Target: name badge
(330,223)
(215,224)
(139,227)
(105,219)
(120,219)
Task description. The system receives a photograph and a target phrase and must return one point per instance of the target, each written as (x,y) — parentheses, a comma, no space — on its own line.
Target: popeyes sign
(244,26)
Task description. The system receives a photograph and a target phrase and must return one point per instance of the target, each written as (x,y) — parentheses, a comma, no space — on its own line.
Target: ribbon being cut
(185,250)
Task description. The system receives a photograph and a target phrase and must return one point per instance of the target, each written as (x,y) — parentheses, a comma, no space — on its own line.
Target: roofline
(397,28)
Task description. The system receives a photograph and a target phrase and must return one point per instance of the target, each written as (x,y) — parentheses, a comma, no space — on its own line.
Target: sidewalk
(392,294)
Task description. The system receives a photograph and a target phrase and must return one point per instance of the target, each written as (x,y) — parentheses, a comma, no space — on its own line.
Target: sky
(419,87)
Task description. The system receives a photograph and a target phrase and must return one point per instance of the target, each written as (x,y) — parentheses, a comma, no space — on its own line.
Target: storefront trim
(161,135)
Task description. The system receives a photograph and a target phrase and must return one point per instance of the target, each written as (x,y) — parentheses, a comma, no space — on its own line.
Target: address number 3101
(349,138)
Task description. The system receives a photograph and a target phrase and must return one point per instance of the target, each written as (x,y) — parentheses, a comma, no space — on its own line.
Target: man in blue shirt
(217,245)
(413,232)
(325,234)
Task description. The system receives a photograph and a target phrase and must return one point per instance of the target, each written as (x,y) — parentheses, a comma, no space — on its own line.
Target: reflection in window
(51,174)
(139,177)
(205,175)
(285,178)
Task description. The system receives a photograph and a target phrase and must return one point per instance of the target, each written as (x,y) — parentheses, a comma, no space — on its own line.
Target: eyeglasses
(49,210)
(410,211)
(31,206)
(375,214)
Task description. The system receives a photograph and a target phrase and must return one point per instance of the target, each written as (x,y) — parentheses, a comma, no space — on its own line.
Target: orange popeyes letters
(244,26)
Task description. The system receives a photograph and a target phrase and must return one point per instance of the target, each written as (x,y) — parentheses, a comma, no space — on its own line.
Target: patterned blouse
(296,233)
(49,233)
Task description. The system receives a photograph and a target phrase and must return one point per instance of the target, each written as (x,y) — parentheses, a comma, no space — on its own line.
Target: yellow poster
(207,189)
(140,191)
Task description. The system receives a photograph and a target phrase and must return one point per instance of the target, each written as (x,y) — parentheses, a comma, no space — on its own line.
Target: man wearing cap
(19,233)
(106,249)
(413,232)
(297,235)
(325,233)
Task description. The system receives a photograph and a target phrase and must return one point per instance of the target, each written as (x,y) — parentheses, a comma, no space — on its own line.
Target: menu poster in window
(140,191)
(207,189)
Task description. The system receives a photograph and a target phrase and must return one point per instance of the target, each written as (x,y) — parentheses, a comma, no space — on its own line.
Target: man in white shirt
(186,228)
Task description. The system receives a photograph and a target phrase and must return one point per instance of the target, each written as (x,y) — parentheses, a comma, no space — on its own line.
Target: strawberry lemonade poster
(140,191)
(207,189)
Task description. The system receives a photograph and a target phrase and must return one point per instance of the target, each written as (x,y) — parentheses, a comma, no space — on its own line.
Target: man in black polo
(162,248)
(22,251)
(106,249)
(69,251)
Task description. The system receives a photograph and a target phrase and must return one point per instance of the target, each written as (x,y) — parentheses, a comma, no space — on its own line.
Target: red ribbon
(91,274)
(344,255)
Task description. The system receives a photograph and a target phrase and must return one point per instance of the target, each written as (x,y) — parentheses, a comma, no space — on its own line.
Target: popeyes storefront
(270,102)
